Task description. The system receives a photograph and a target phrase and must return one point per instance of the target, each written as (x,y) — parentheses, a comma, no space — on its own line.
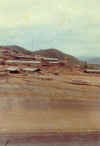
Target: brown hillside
(51,53)
(54,53)
(16,49)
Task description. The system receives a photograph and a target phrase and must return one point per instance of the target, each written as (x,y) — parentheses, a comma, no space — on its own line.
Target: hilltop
(16,49)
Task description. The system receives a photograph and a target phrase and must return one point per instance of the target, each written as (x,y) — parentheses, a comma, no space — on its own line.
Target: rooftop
(22,61)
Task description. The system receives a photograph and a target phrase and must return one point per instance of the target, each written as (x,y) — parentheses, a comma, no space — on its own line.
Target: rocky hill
(50,53)
(54,53)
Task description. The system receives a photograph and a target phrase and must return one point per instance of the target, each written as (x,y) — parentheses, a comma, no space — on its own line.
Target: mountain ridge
(91,60)
(50,53)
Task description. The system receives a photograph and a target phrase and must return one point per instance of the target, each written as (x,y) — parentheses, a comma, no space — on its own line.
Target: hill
(54,53)
(50,53)
(15,48)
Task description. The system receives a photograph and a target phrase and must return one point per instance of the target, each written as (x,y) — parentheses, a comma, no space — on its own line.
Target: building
(22,57)
(13,69)
(50,59)
(22,62)
(92,71)
(31,70)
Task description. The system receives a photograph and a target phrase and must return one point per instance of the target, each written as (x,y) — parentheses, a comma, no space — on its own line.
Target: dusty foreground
(48,139)
(49,104)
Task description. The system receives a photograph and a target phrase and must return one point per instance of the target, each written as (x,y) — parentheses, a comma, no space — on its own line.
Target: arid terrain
(57,105)
(34,103)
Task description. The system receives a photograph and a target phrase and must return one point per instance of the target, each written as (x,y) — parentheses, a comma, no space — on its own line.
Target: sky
(72,26)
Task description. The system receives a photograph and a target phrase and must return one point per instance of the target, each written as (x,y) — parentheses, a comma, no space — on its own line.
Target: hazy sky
(72,26)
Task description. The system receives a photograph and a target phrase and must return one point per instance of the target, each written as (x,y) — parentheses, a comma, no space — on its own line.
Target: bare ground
(30,103)
(34,103)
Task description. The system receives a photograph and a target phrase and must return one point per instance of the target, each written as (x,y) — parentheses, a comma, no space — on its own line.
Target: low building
(47,61)
(92,71)
(50,59)
(13,69)
(31,69)
(38,57)
(22,62)
(24,57)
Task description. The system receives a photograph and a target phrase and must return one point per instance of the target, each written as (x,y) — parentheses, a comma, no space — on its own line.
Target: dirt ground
(54,139)
(46,103)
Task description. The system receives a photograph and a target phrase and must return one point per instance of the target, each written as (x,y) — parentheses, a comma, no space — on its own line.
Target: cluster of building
(26,63)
